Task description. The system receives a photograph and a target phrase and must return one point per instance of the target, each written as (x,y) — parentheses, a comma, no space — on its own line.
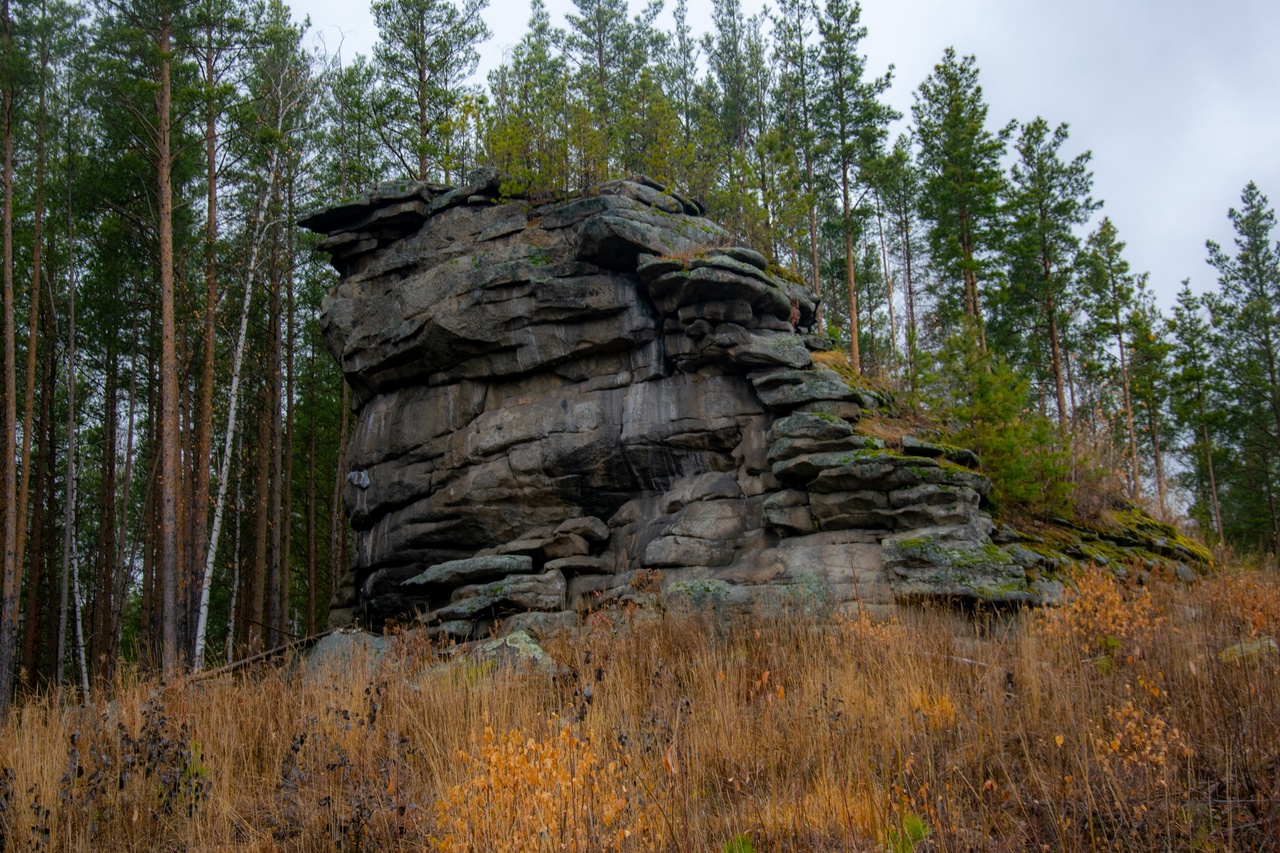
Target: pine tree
(425,52)
(144,79)
(351,160)
(852,125)
(1048,200)
(1247,313)
(9,569)
(221,26)
(797,58)
(1150,368)
(897,184)
(959,158)
(525,136)
(1110,289)
(989,401)
(1196,381)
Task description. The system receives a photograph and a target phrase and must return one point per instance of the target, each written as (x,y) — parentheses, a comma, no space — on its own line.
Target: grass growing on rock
(1114,722)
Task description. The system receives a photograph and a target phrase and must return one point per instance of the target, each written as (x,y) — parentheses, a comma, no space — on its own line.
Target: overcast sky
(1179,101)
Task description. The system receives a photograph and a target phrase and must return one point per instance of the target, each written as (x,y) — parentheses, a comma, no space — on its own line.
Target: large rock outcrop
(552,398)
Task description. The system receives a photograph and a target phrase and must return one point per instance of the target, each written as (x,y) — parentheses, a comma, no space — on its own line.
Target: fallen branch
(292,645)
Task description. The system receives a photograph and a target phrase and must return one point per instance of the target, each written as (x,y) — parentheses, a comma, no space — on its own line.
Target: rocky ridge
(561,404)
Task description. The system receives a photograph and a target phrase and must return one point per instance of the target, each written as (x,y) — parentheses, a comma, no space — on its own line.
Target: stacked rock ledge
(555,399)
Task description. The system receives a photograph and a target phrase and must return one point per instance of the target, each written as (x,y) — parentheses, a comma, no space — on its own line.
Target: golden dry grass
(1110,723)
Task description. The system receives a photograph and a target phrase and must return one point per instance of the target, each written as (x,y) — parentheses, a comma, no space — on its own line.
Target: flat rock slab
(473,569)
(513,594)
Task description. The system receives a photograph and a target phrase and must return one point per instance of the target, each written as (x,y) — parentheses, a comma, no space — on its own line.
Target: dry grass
(1110,723)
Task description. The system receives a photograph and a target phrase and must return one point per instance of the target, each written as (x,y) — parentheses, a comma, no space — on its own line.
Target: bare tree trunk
(913,331)
(286,512)
(171,652)
(813,255)
(1135,480)
(1158,456)
(855,354)
(40,575)
(1055,348)
(79,616)
(973,305)
(252,620)
(1213,480)
(337,556)
(37,268)
(101,631)
(1071,390)
(888,286)
(236,559)
(311,493)
(9,577)
(69,537)
(198,551)
(186,584)
(123,577)
(275,447)
(147,628)
(229,437)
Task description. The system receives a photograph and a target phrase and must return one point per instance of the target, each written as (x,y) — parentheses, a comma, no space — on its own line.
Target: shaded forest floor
(1130,718)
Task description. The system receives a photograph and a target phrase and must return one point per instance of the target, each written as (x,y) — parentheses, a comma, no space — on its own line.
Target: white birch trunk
(224,467)
(68,539)
(79,608)
(235,582)
(888,286)
(124,577)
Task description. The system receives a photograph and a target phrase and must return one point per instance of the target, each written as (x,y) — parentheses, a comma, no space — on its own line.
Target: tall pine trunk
(888,286)
(337,520)
(913,331)
(9,577)
(286,512)
(1055,350)
(37,269)
(1157,455)
(254,581)
(813,244)
(69,528)
(311,493)
(972,304)
(237,560)
(276,443)
(150,518)
(855,354)
(40,584)
(199,547)
(1135,480)
(170,651)
(1213,480)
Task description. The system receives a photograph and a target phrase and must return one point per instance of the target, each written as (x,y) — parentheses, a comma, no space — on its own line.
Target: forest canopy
(174,429)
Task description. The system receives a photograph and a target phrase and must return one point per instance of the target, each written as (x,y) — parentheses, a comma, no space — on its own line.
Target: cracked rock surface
(555,399)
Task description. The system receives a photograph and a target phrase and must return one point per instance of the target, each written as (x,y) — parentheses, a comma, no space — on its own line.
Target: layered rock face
(554,400)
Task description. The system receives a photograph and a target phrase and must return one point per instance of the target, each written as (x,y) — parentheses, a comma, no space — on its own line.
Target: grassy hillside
(1130,718)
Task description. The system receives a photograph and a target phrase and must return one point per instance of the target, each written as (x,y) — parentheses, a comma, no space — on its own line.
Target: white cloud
(1176,99)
